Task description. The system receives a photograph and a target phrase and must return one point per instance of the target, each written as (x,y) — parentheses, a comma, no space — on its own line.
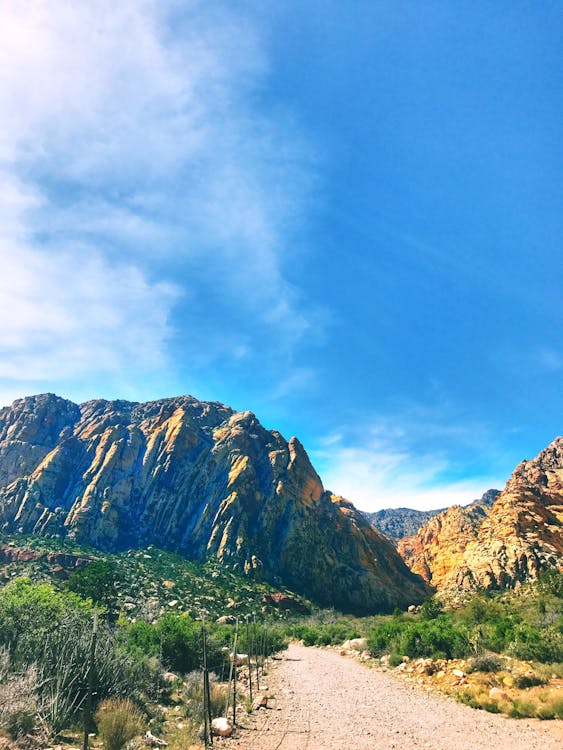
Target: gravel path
(324,701)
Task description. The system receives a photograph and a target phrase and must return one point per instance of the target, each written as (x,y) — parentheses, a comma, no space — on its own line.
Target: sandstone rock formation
(521,535)
(198,478)
(397,523)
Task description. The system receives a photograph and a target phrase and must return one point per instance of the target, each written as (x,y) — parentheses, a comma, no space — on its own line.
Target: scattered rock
(154,741)
(226,620)
(221,727)
(356,644)
(260,701)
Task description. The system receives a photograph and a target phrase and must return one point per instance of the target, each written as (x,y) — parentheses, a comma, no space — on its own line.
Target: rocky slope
(521,535)
(198,478)
(397,523)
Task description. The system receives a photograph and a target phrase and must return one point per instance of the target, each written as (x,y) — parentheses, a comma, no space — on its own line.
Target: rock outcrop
(497,547)
(198,478)
(397,523)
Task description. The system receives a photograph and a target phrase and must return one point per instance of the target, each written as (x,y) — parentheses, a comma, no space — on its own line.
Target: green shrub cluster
(323,634)
(177,640)
(437,638)
(49,633)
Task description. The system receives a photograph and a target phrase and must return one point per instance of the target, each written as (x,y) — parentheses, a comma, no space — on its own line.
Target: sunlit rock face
(521,535)
(199,478)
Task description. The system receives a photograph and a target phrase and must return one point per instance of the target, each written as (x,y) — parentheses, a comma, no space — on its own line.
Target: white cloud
(390,462)
(130,138)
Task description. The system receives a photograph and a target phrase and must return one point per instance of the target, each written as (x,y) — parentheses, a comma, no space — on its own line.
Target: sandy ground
(324,701)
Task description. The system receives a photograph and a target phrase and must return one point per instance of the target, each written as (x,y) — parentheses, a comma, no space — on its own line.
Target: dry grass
(118,721)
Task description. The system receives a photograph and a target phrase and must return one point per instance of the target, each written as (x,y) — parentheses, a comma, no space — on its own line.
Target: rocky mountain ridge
(513,541)
(397,523)
(198,478)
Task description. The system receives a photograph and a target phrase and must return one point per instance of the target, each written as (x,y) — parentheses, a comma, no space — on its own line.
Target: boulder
(221,727)
(356,644)
(226,620)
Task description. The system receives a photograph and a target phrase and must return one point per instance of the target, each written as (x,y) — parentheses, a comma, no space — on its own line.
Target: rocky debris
(356,644)
(226,620)
(260,701)
(154,741)
(221,727)
(170,677)
(119,475)
(500,546)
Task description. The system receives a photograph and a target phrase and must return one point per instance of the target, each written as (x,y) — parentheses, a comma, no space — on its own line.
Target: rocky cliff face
(198,478)
(397,523)
(521,535)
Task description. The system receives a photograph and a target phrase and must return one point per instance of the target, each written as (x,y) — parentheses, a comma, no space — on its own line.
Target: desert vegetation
(67,664)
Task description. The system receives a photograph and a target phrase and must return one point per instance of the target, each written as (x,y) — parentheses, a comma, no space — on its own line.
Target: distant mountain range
(197,478)
(498,547)
(397,523)
(210,483)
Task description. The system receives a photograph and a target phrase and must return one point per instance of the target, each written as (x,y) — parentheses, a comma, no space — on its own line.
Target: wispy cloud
(137,169)
(393,461)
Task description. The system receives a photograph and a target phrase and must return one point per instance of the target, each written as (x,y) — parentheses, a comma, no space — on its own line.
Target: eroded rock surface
(199,478)
(521,535)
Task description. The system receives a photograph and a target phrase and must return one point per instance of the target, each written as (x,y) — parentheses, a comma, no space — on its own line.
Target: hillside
(521,535)
(144,582)
(197,478)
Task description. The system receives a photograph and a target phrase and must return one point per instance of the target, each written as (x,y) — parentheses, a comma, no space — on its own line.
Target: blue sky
(343,217)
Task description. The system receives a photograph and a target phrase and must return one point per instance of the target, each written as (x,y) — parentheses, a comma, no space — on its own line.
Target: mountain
(197,478)
(497,547)
(397,523)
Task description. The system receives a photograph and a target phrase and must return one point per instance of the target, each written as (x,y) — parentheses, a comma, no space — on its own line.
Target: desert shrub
(18,702)
(383,636)
(523,681)
(486,663)
(118,721)
(98,582)
(323,634)
(551,708)
(430,608)
(29,612)
(52,631)
(395,660)
(551,582)
(193,696)
(438,638)
(522,709)
(532,643)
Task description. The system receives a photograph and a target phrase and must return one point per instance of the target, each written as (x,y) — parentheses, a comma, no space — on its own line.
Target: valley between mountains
(190,535)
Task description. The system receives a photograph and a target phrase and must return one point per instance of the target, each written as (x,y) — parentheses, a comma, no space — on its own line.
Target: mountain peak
(199,478)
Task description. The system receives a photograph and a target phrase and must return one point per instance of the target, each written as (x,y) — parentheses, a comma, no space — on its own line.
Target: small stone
(260,701)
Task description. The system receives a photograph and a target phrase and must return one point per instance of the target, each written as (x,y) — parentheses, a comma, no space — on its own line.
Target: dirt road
(324,701)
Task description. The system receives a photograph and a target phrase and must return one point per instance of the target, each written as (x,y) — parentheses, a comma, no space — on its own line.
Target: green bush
(431,608)
(531,643)
(98,582)
(523,681)
(118,722)
(486,663)
(436,638)
(395,660)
